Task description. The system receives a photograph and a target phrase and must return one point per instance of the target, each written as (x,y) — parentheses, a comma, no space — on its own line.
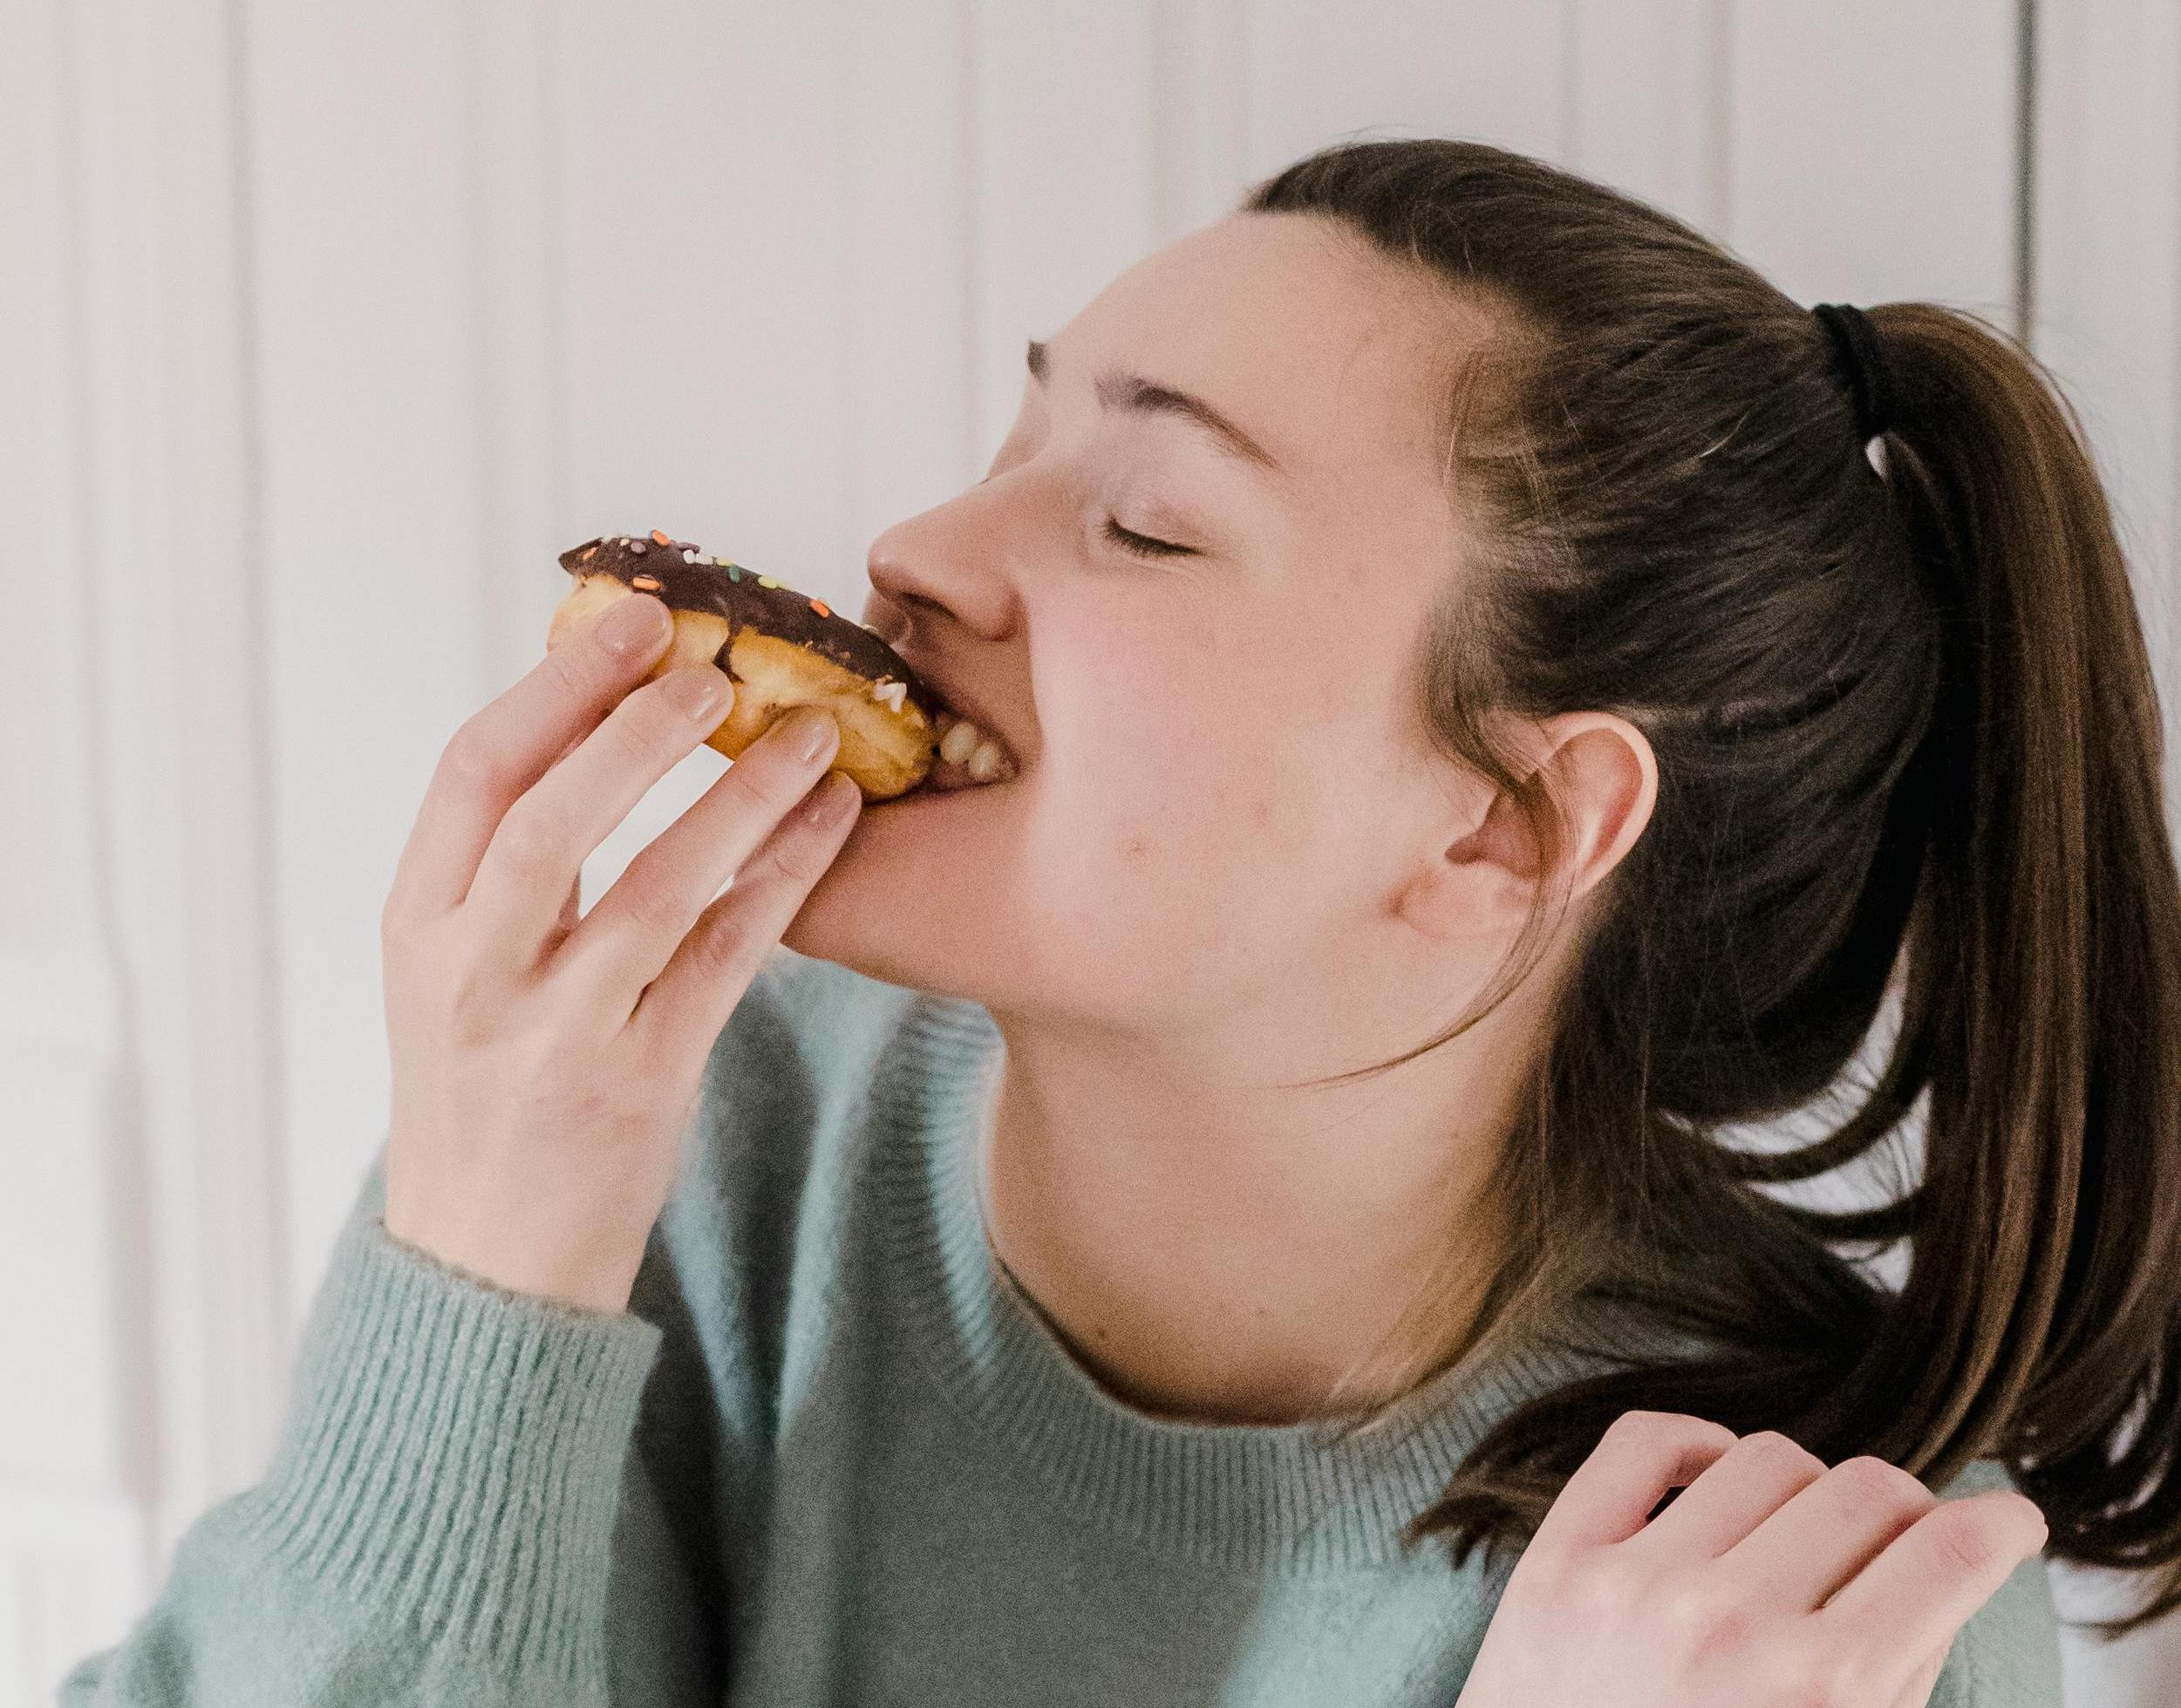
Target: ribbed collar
(1248,1496)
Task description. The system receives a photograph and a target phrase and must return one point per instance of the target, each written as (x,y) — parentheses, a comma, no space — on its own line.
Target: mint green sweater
(830,1455)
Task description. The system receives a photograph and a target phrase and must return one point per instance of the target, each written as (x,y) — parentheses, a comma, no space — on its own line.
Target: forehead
(1334,356)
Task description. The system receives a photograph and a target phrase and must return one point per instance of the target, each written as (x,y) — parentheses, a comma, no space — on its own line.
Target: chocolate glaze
(779,611)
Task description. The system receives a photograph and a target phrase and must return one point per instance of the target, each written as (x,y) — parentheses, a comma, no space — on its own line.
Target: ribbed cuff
(454,1454)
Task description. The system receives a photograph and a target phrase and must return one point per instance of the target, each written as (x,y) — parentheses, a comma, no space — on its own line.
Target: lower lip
(909,798)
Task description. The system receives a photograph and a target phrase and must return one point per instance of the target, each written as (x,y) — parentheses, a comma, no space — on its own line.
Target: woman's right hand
(544,1065)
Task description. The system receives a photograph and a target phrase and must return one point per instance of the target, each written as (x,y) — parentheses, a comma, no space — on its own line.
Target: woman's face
(1223,785)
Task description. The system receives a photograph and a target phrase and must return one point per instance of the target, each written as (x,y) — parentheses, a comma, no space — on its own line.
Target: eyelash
(1142,545)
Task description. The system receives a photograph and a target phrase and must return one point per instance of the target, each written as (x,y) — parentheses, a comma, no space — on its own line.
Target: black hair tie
(1863,364)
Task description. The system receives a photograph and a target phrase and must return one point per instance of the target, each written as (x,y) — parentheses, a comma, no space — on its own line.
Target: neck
(1215,1248)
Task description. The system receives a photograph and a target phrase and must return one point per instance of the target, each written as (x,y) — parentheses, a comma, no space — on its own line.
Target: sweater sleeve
(443,1519)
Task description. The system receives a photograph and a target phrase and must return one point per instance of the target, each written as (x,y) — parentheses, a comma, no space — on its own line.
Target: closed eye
(1142,544)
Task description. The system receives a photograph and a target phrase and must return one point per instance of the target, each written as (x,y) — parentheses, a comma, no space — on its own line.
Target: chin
(917,895)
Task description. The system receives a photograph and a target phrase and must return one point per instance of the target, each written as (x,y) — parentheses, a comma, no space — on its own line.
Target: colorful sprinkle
(648,583)
(659,539)
(588,552)
(638,547)
(734,572)
(766,580)
(821,608)
(688,556)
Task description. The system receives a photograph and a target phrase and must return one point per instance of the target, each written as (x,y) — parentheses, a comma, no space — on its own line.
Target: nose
(933,570)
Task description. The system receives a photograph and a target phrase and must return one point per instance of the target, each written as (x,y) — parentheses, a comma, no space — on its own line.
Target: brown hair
(1908,748)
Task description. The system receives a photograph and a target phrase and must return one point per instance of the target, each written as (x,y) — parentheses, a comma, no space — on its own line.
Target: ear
(1602,772)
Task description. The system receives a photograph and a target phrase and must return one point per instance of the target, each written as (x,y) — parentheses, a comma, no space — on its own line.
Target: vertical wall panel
(2107,228)
(143,1359)
(1873,150)
(907,349)
(1200,113)
(1060,120)
(2106,268)
(1647,103)
(368,365)
(1488,70)
(701,243)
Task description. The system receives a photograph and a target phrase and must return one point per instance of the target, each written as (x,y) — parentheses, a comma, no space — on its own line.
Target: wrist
(593,1271)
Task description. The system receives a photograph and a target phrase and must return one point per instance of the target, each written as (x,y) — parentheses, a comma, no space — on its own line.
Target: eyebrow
(1133,391)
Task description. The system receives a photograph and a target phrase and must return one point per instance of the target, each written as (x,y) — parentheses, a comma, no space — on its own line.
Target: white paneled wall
(322,328)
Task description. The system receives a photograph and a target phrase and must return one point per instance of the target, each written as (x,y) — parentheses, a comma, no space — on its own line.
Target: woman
(1247,1209)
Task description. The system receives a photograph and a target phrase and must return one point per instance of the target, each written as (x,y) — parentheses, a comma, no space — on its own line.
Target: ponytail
(2041,1319)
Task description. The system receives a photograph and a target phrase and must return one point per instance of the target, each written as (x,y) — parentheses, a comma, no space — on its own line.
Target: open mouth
(969,757)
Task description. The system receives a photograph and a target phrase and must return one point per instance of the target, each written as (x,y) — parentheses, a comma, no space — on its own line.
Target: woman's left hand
(1770,1582)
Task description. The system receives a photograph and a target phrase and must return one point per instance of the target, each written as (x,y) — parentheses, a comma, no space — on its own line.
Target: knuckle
(1596,1594)
(1639,1425)
(796,859)
(1963,1542)
(650,906)
(1841,1681)
(1699,1620)
(572,670)
(1809,1675)
(528,841)
(398,928)
(471,757)
(1655,1430)
(649,733)
(1871,1482)
(722,941)
(1771,1447)
(747,782)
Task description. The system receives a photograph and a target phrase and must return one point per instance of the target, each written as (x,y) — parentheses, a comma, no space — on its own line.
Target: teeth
(989,761)
(958,743)
(967,751)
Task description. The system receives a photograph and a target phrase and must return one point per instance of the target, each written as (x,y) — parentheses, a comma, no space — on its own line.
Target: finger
(508,744)
(547,835)
(683,1009)
(1827,1533)
(629,937)
(1909,1602)
(1641,1455)
(1731,1497)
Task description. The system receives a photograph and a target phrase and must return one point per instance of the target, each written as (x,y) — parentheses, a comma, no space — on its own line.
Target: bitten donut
(781,648)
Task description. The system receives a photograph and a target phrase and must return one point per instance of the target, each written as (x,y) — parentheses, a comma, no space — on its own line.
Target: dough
(781,648)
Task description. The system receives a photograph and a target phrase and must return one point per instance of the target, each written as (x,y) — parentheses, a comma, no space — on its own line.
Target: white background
(323,328)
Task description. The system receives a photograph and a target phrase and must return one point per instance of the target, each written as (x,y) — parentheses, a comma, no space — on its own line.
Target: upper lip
(958,698)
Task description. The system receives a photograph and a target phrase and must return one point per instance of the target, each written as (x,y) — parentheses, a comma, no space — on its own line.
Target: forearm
(438,1524)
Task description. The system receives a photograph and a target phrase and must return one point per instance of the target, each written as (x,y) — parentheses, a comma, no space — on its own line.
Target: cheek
(1190,830)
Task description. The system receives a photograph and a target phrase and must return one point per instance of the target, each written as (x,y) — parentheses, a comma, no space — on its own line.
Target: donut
(782,648)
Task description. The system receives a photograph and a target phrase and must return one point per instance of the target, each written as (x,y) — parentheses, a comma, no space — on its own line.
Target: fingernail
(813,732)
(633,623)
(700,692)
(829,801)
